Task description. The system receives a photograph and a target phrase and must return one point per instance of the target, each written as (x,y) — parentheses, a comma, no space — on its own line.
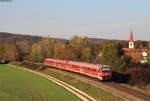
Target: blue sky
(111,19)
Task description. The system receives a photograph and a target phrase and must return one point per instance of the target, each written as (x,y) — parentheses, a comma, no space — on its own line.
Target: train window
(106,70)
(75,66)
(93,70)
(85,68)
(50,61)
(59,63)
(90,69)
(62,63)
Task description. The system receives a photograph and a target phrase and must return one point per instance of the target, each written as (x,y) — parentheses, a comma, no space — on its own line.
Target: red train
(102,72)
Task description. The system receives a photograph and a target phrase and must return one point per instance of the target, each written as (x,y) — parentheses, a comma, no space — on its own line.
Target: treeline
(14,38)
(77,49)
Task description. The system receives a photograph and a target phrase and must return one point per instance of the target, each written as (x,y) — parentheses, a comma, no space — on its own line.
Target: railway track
(83,96)
(116,89)
(145,97)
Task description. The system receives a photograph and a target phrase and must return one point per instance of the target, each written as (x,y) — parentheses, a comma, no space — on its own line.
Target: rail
(83,96)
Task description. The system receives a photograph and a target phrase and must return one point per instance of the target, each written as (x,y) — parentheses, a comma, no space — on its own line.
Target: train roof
(101,65)
(82,63)
(56,60)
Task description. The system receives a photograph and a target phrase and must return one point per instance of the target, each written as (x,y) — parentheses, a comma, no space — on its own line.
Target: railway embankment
(101,91)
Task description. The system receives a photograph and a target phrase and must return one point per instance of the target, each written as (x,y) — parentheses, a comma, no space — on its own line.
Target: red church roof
(128,49)
(131,37)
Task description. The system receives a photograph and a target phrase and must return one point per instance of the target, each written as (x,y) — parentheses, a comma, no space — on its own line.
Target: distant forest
(13,38)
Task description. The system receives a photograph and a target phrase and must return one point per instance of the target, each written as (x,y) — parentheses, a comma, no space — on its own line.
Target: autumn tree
(122,64)
(23,49)
(42,50)
(8,52)
(58,50)
(109,52)
(35,53)
(87,48)
(141,44)
(113,55)
(1,51)
(87,54)
(47,48)
(67,52)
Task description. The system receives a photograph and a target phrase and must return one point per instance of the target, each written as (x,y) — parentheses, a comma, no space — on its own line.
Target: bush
(4,61)
(31,65)
(139,76)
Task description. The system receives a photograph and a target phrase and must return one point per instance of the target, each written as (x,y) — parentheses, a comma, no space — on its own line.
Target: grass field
(19,85)
(97,93)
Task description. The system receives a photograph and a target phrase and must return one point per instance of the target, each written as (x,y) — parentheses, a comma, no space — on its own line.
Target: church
(138,55)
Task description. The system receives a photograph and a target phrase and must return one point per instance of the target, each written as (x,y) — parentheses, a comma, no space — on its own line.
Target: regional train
(99,71)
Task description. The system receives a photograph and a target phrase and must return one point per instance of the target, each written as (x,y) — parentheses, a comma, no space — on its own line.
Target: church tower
(131,41)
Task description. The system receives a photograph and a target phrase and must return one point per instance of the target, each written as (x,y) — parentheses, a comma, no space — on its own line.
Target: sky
(109,19)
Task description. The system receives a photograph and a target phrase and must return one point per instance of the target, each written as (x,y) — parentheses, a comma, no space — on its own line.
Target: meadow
(19,85)
(97,93)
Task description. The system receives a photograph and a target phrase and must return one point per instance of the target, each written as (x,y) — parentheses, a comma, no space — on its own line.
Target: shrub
(31,65)
(139,76)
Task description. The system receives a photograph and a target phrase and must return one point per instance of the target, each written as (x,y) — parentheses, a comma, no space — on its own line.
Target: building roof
(133,50)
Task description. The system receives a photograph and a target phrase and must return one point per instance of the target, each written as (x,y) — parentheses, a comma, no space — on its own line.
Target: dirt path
(83,96)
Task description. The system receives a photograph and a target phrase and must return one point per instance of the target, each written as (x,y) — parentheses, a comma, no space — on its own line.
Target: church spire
(131,36)
(131,42)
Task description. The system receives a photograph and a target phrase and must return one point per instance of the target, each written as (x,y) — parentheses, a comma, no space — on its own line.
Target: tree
(122,64)
(35,53)
(86,54)
(139,76)
(47,48)
(87,48)
(67,52)
(58,50)
(1,51)
(23,49)
(113,55)
(8,52)
(42,50)
(109,52)
(141,44)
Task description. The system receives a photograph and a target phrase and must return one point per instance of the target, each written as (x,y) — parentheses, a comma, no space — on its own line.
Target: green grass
(97,93)
(19,85)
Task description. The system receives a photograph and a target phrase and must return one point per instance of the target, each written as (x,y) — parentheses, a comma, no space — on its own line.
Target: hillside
(13,38)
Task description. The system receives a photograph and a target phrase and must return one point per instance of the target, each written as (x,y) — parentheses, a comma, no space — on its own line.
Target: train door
(98,73)
(81,70)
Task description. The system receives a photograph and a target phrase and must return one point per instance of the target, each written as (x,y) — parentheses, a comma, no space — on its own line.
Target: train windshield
(106,70)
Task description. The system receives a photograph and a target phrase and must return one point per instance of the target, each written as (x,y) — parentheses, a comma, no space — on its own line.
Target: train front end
(106,73)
